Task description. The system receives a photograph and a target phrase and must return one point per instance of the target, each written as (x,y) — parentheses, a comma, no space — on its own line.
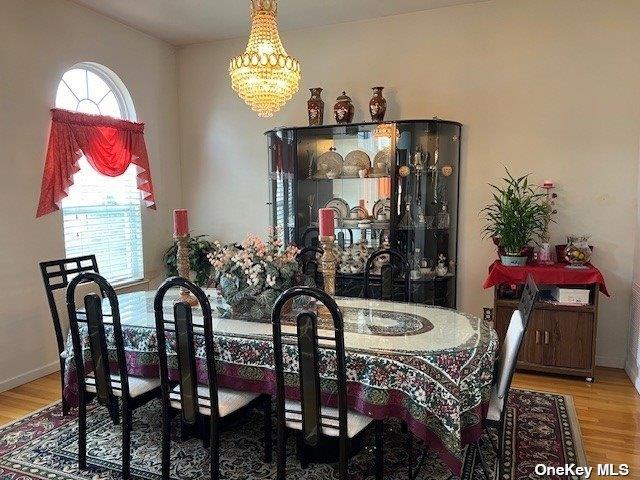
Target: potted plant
(199,249)
(516,217)
(251,276)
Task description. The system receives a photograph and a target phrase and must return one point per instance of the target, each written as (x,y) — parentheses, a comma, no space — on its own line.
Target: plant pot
(513,261)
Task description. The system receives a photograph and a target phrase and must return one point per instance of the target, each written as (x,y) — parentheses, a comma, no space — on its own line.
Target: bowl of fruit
(577,252)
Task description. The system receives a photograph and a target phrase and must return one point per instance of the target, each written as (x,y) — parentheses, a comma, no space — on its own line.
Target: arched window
(102,215)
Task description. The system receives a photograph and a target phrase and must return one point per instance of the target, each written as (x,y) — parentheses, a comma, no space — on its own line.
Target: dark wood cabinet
(560,338)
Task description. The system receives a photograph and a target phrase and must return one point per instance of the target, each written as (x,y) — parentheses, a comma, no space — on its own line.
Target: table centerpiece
(252,275)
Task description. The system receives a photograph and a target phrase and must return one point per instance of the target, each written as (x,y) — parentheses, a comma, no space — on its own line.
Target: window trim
(128,112)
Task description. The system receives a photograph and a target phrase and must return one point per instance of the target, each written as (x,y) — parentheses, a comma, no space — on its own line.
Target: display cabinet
(392,184)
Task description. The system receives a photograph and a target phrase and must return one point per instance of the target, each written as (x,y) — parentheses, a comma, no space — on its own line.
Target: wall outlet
(487,314)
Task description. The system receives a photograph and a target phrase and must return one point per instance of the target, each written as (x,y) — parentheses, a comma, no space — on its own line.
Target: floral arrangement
(252,275)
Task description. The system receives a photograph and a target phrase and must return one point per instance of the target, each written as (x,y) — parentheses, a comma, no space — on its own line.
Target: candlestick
(328,266)
(182,260)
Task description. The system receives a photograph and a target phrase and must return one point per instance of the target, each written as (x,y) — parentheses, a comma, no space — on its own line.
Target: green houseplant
(199,249)
(516,217)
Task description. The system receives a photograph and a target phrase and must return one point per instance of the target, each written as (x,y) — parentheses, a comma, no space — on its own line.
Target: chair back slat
(93,318)
(56,275)
(309,365)
(395,270)
(186,362)
(308,261)
(309,376)
(386,282)
(182,328)
(310,237)
(98,348)
(510,350)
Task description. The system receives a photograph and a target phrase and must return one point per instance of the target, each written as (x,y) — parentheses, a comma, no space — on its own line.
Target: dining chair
(312,422)
(310,265)
(100,382)
(396,268)
(56,275)
(503,374)
(310,233)
(199,405)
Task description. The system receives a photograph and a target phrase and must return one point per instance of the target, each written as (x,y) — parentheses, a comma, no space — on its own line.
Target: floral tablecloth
(429,366)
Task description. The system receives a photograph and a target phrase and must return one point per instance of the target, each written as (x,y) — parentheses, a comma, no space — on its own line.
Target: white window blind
(101,215)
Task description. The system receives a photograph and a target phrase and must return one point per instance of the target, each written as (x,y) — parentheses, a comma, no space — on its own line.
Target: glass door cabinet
(392,185)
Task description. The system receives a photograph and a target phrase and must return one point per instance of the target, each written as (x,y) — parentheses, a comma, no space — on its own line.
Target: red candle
(180,222)
(325,218)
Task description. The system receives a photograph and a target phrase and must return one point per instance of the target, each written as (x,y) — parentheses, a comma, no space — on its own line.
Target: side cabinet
(560,339)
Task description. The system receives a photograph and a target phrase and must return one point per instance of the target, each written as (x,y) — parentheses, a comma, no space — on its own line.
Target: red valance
(109,144)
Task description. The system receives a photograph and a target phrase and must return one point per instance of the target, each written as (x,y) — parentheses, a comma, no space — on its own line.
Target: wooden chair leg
(483,462)
(379,427)
(214,453)
(268,430)
(82,435)
(409,449)
(114,413)
(343,466)
(302,456)
(281,459)
(127,425)
(166,443)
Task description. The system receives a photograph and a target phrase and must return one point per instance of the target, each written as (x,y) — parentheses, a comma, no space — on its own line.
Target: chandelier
(264,76)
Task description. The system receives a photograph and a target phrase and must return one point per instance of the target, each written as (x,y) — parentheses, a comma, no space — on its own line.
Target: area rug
(541,428)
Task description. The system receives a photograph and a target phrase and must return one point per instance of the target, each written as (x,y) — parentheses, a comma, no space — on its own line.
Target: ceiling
(183,22)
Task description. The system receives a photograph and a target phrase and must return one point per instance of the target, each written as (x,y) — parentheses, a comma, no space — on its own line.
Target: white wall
(542,86)
(39,41)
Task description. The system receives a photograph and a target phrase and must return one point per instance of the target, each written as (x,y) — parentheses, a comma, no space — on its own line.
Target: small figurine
(441,268)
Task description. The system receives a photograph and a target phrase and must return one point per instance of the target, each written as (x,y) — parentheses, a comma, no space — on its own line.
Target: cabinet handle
(537,337)
(546,337)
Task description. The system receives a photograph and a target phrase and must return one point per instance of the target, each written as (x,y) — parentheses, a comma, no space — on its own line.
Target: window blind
(102,216)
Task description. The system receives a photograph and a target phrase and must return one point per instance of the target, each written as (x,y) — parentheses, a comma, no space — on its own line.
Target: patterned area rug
(542,428)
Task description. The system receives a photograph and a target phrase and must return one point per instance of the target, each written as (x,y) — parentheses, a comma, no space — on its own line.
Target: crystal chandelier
(264,76)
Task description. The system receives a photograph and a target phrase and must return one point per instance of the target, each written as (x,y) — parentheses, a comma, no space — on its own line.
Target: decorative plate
(359,159)
(330,162)
(385,158)
(381,206)
(360,212)
(339,206)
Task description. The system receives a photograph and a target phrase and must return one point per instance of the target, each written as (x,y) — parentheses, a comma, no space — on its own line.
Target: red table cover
(557,274)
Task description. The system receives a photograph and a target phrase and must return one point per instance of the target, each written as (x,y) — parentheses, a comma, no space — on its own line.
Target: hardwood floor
(609,410)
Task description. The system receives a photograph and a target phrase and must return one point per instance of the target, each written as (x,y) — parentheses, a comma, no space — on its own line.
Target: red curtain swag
(110,146)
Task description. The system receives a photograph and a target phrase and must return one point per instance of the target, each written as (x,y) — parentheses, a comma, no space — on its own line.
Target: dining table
(429,366)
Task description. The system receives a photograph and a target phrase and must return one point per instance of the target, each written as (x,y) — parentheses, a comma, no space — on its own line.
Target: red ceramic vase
(315,107)
(377,105)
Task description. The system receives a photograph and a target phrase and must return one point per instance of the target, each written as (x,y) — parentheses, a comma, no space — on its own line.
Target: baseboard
(634,373)
(611,362)
(29,376)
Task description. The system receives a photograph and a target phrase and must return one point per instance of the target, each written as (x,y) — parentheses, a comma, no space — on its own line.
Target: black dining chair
(100,382)
(56,275)
(310,235)
(397,268)
(503,374)
(200,406)
(310,265)
(312,422)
